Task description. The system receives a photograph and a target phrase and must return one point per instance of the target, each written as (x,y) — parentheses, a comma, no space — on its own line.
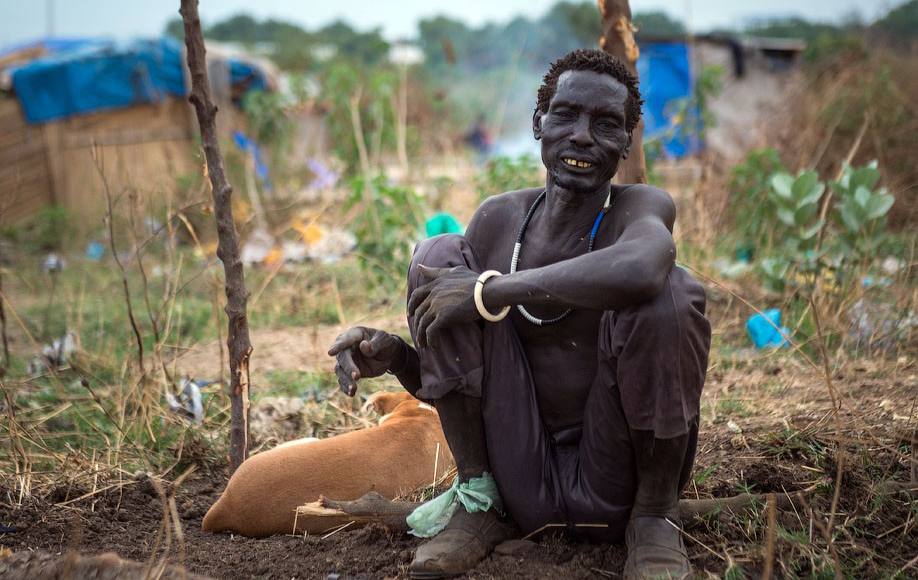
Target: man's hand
(447,299)
(364,353)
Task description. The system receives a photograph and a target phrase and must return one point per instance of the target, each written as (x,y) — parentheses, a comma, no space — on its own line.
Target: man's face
(583,133)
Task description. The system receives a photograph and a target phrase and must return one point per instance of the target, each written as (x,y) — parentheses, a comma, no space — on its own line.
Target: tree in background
(657,23)
(901,23)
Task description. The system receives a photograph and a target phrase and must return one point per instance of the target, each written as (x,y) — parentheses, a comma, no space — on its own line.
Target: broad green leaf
(782,183)
(851,222)
(804,214)
(862,196)
(845,180)
(786,216)
(878,205)
(814,194)
(808,233)
(804,184)
(867,177)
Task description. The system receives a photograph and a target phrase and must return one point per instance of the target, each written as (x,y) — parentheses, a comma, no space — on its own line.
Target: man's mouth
(571,162)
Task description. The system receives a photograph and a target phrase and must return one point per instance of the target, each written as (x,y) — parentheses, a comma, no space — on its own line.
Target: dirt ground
(765,429)
(280,349)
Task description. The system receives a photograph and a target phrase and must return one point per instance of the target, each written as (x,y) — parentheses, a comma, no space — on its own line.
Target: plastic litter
(257,247)
(731,269)
(53,264)
(94,251)
(879,326)
(188,404)
(332,246)
(442,223)
(55,355)
(325,178)
(762,330)
(293,251)
(276,418)
(479,494)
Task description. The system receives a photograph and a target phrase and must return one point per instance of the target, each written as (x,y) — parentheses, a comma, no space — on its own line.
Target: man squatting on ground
(582,404)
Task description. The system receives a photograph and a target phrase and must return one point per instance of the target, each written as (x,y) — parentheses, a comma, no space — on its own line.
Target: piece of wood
(618,40)
(237,340)
(372,508)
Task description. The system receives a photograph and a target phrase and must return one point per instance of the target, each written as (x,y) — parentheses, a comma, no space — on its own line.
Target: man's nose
(582,135)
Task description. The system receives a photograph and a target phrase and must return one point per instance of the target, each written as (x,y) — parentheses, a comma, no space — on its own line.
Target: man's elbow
(649,276)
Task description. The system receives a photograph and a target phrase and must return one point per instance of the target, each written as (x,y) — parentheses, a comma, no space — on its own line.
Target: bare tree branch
(237,340)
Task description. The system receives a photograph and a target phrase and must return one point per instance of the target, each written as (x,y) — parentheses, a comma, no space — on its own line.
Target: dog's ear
(384,403)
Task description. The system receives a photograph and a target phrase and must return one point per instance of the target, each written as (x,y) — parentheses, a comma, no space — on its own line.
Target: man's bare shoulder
(641,200)
(497,209)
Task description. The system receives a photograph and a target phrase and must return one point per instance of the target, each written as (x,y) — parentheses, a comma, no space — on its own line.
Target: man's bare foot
(467,540)
(655,550)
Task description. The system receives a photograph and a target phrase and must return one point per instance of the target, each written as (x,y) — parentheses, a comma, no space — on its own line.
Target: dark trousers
(651,369)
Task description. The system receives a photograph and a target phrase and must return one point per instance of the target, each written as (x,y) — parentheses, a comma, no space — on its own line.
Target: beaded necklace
(514,261)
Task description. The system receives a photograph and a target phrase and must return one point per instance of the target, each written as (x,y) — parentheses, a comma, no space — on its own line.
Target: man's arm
(628,272)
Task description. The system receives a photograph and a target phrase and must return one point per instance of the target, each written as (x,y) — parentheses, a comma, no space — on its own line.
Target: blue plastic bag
(762,330)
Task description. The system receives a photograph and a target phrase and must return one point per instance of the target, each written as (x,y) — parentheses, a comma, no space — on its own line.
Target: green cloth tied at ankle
(479,494)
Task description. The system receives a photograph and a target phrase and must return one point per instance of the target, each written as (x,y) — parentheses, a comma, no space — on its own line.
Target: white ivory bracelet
(479,301)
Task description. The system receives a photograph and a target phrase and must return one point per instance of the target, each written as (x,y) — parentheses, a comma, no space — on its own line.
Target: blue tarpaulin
(666,78)
(86,75)
(99,76)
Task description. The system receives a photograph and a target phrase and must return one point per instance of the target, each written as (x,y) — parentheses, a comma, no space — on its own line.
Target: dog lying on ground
(392,459)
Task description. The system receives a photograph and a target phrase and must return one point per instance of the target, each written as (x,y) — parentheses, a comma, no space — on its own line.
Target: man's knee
(674,314)
(444,251)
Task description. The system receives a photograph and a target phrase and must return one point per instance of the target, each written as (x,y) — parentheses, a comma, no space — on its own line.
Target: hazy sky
(26,19)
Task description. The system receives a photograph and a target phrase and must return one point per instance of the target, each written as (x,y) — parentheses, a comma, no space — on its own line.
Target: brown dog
(392,459)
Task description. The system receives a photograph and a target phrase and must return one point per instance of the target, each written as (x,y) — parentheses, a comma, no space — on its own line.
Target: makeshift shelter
(756,74)
(63,100)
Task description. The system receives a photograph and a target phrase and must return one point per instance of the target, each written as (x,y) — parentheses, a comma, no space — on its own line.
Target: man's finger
(433,333)
(346,340)
(422,309)
(345,383)
(346,359)
(418,296)
(431,273)
(376,344)
(423,323)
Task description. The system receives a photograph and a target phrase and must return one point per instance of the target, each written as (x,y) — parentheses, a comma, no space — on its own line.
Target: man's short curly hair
(596,61)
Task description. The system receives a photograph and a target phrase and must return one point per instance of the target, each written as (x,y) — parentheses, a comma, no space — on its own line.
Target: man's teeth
(575,163)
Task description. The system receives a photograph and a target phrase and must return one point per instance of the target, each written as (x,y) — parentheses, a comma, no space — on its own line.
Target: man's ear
(627,148)
(537,124)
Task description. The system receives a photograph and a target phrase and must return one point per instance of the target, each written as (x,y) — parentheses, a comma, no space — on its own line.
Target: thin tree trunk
(618,40)
(237,339)
(6,344)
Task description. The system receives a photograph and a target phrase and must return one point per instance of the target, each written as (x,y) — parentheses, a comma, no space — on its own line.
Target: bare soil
(765,430)
(279,349)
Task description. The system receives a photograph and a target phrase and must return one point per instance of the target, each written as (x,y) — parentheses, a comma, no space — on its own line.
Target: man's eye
(565,115)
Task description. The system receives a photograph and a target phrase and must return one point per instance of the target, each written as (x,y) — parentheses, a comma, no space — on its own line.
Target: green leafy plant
(750,185)
(386,229)
(49,230)
(268,119)
(691,116)
(861,211)
(503,173)
(795,203)
(844,242)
